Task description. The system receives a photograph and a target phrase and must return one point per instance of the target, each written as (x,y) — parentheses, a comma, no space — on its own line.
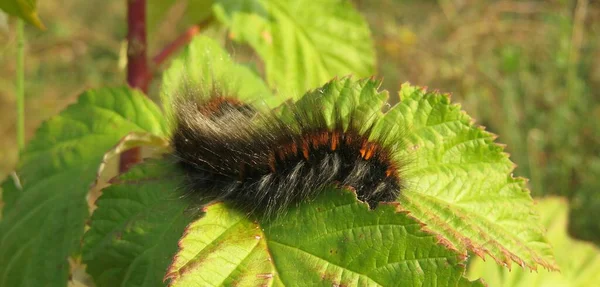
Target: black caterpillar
(263,162)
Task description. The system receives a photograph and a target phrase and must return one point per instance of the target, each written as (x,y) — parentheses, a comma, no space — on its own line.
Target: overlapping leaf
(43,222)
(204,67)
(302,43)
(579,261)
(137,225)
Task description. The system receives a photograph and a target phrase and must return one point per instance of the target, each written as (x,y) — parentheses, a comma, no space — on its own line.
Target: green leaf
(458,180)
(302,43)
(44,223)
(334,240)
(137,225)
(25,9)
(343,99)
(204,66)
(3,23)
(155,12)
(460,183)
(464,282)
(579,261)
(10,190)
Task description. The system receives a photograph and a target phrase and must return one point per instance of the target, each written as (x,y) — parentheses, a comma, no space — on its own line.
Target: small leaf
(334,240)
(25,9)
(137,225)
(135,139)
(343,96)
(204,66)
(302,43)
(43,223)
(579,261)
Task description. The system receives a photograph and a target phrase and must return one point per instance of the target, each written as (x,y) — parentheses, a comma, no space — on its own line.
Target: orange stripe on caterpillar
(305,148)
(334,140)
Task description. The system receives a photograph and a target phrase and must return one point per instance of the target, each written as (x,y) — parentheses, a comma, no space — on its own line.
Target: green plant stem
(574,51)
(20,84)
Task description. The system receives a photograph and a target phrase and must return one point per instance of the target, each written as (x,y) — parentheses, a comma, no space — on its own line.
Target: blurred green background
(527,70)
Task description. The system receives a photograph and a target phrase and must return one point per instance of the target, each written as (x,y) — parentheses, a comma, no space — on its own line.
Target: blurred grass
(79,50)
(528,70)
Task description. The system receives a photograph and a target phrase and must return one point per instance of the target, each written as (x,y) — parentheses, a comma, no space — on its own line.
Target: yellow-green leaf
(334,240)
(25,9)
(579,261)
(303,43)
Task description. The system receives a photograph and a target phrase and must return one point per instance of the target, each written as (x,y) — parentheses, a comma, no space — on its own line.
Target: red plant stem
(173,46)
(137,65)
(138,73)
(137,62)
(183,39)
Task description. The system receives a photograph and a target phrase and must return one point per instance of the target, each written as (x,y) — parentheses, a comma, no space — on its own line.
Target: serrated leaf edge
(510,257)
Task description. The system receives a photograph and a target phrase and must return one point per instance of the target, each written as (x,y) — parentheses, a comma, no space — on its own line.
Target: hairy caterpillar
(263,162)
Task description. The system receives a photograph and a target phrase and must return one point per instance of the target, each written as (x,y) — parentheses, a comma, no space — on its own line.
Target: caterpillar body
(263,162)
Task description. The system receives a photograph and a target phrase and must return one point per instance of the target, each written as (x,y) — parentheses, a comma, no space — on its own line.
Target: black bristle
(263,164)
